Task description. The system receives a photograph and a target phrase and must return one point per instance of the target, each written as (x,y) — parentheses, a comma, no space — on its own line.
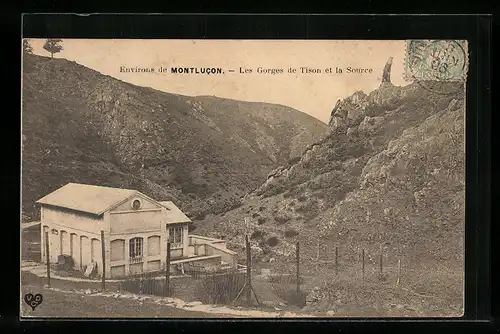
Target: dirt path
(72,305)
(57,303)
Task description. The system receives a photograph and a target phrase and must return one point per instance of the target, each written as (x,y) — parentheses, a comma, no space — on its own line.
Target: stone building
(136,229)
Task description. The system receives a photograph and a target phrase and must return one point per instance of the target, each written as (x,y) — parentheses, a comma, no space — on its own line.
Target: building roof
(174,214)
(86,198)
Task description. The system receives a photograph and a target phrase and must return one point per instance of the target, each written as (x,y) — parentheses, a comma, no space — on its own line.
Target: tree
(27,46)
(52,45)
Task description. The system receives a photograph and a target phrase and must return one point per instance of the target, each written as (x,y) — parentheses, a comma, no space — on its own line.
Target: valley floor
(61,304)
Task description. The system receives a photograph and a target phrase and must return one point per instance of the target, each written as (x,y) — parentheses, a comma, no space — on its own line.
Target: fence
(284,280)
(287,272)
(205,286)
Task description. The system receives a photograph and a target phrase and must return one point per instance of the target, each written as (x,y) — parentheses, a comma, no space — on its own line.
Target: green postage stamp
(436,60)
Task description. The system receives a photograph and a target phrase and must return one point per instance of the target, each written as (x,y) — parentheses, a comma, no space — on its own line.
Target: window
(135,250)
(175,236)
(136,204)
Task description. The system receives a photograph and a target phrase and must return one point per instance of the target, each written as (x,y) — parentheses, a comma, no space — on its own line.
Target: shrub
(285,288)
(273,189)
(272,241)
(220,289)
(262,208)
(320,194)
(235,205)
(290,296)
(261,220)
(291,233)
(308,209)
(265,247)
(146,284)
(257,234)
(302,198)
(281,219)
(293,161)
(193,188)
(200,216)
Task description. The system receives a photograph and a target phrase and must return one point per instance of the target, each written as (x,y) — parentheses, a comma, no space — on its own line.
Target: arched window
(135,248)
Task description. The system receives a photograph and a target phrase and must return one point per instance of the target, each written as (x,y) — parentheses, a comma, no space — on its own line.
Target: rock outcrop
(390,170)
(386,74)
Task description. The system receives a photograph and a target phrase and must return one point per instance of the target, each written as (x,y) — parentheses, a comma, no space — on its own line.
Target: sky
(314,94)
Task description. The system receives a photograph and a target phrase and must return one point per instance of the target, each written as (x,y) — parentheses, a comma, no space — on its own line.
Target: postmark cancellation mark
(436,60)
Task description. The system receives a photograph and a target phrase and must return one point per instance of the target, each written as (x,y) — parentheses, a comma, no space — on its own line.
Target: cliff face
(202,152)
(391,170)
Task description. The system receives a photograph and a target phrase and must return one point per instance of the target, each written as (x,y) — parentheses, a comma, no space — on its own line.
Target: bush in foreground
(219,288)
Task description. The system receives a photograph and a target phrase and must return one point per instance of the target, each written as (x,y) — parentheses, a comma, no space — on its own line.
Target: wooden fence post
(398,281)
(249,271)
(381,257)
(336,261)
(167,271)
(47,254)
(317,257)
(103,253)
(363,263)
(297,255)
(399,272)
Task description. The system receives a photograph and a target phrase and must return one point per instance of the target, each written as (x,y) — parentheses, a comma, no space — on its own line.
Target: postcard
(242,178)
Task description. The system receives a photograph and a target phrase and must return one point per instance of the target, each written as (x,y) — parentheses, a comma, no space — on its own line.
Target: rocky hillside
(202,152)
(391,171)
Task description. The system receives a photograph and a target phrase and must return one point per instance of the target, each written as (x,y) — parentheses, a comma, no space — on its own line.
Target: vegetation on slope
(204,153)
(391,172)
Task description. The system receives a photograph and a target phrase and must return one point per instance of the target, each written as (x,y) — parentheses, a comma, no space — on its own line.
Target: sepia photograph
(169,178)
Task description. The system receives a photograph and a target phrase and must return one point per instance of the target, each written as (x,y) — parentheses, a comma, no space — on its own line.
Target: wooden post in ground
(167,271)
(399,272)
(363,263)
(317,257)
(249,271)
(381,258)
(47,254)
(297,256)
(336,261)
(103,253)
